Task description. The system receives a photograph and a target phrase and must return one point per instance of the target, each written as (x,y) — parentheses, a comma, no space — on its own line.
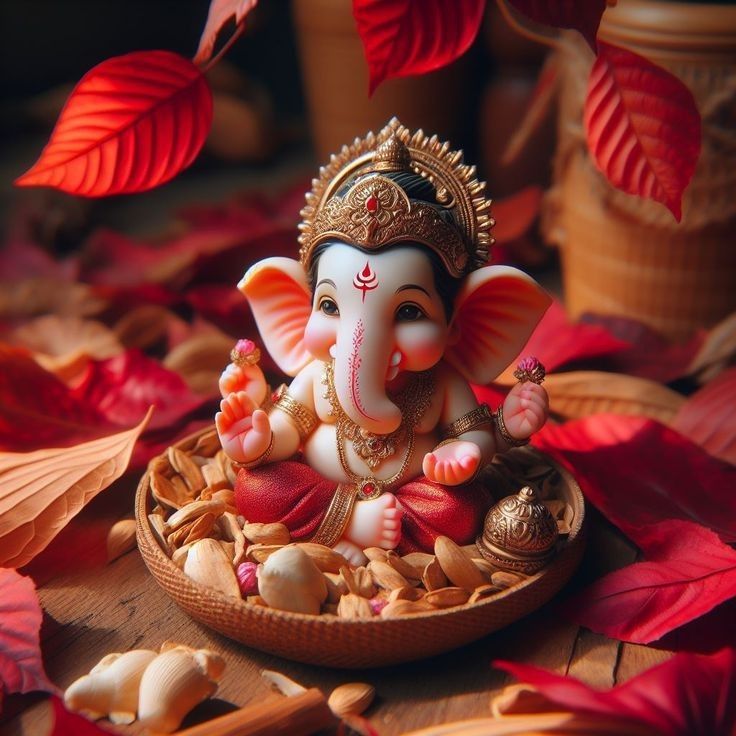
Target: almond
(193,510)
(336,587)
(261,552)
(207,444)
(483,591)
(187,468)
(455,563)
(394,609)
(485,567)
(353,607)
(120,538)
(375,553)
(447,597)
(325,558)
(410,572)
(407,593)
(208,565)
(351,699)
(358,581)
(419,560)
(157,528)
(200,528)
(385,576)
(214,476)
(505,579)
(433,577)
(165,492)
(267,533)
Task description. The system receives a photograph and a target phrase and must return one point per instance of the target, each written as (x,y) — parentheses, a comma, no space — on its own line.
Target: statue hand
(453,463)
(244,429)
(236,378)
(525,410)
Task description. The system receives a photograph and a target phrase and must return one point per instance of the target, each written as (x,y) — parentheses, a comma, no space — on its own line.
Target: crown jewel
(354,200)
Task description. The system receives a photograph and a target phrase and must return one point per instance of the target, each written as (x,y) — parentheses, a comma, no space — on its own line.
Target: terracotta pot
(335,77)
(626,255)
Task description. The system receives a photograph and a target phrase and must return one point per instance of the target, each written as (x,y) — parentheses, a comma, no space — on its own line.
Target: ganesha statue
(389,314)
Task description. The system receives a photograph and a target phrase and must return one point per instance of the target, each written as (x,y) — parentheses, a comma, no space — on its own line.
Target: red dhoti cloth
(294,494)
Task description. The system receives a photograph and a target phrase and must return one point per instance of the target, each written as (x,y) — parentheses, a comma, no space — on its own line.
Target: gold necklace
(372,448)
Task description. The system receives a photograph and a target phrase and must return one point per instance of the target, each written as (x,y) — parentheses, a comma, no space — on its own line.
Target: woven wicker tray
(331,641)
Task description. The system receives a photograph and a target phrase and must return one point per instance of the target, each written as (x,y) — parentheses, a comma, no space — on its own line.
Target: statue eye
(409,313)
(327,306)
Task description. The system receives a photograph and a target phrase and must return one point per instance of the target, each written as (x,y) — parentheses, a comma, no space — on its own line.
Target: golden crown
(375,211)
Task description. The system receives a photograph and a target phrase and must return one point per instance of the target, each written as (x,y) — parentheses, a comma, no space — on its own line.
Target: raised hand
(453,463)
(244,429)
(525,410)
(247,378)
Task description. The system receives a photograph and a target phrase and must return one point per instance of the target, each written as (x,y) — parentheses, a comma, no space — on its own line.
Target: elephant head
(381,314)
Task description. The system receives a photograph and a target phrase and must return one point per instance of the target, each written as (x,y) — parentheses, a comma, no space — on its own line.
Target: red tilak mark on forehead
(366,280)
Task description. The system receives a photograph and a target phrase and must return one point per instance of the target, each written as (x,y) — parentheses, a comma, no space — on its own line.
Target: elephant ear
(496,312)
(278,294)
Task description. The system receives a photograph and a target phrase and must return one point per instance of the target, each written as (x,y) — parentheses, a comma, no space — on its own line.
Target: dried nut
(456,565)
(290,581)
(208,564)
(486,568)
(418,560)
(228,548)
(267,533)
(181,489)
(111,687)
(385,576)
(187,468)
(407,593)
(354,607)
(403,607)
(336,587)
(193,510)
(261,552)
(207,444)
(200,528)
(179,537)
(214,476)
(120,538)
(351,699)
(180,555)
(157,527)
(282,684)
(173,683)
(325,558)
(358,581)
(165,492)
(226,495)
(433,578)
(447,597)
(375,553)
(484,591)
(556,507)
(505,579)
(410,572)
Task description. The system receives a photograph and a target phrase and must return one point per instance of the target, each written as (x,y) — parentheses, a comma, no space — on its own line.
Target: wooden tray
(331,641)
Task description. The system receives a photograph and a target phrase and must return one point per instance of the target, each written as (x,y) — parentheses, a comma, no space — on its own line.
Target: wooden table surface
(118,606)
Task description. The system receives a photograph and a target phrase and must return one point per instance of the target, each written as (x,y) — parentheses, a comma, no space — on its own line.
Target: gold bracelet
(258,461)
(337,516)
(505,436)
(475,418)
(305,420)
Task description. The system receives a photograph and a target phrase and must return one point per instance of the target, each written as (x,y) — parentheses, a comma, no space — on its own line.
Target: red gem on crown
(371,204)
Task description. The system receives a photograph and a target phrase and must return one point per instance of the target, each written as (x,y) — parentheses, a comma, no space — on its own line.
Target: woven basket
(331,641)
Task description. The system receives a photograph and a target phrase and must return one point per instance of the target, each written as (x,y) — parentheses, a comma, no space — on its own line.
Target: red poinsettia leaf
(686,695)
(122,388)
(514,215)
(405,37)
(704,635)
(67,723)
(642,126)
(132,123)
(708,418)
(559,343)
(21,665)
(688,572)
(650,355)
(220,12)
(38,410)
(638,472)
(580,15)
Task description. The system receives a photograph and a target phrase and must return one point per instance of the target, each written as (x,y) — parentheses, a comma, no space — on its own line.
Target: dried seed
(353,607)
(157,527)
(447,597)
(336,587)
(214,476)
(325,558)
(433,577)
(351,699)
(227,496)
(208,444)
(165,492)
(556,507)
(385,576)
(505,579)
(375,553)
(201,527)
(482,592)
(487,569)
(418,560)
(193,510)
(182,489)
(456,565)
(410,572)
(394,609)
(180,555)
(120,538)
(187,468)
(267,533)
(208,565)
(358,581)
(407,593)
(261,552)
(179,537)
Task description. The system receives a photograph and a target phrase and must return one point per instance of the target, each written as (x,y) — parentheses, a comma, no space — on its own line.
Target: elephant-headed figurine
(389,313)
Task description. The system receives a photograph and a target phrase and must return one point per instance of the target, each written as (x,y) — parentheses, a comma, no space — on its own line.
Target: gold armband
(257,461)
(475,418)
(501,427)
(305,420)
(337,516)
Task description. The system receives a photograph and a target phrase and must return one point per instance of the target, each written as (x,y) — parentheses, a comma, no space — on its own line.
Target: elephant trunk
(361,367)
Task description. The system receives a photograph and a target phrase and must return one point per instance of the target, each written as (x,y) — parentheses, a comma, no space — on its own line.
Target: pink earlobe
(278,294)
(496,311)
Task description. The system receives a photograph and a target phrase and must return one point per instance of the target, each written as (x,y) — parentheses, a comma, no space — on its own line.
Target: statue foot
(351,552)
(375,523)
